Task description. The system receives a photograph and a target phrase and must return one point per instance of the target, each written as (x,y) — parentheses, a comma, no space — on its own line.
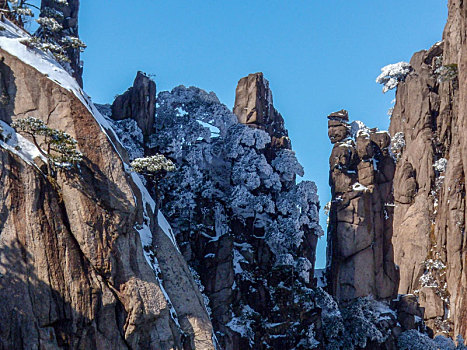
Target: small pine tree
(155,167)
(57,146)
(52,36)
(18,11)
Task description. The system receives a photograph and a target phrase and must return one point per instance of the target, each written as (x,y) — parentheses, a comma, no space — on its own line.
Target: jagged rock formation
(139,104)
(69,23)
(361,272)
(429,183)
(360,252)
(247,230)
(428,145)
(254,107)
(73,272)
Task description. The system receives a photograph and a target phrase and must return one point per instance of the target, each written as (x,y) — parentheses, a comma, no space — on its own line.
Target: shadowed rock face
(360,251)
(429,222)
(69,22)
(138,103)
(72,268)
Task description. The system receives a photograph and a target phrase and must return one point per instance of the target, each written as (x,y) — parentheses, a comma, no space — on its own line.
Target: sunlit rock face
(73,271)
(429,183)
(254,107)
(360,252)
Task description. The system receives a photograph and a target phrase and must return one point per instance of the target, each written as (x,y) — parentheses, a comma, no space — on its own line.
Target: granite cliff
(220,253)
(429,181)
(413,179)
(73,270)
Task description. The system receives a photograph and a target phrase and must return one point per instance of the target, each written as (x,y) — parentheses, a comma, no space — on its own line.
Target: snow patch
(19,145)
(358,128)
(440,165)
(392,74)
(359,187)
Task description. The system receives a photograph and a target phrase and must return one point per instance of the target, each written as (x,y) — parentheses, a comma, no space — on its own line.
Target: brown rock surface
(72,266)
(429,238)
(254,106)
(360,252)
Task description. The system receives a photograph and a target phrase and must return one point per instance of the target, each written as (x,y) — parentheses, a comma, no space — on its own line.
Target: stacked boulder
(360,251)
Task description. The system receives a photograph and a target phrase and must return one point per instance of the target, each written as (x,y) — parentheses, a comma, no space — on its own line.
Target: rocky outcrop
(69,22)
(254,107)
(138,103)
(360,252)
(429,183)
(246,228)
(73,272)
(417,184)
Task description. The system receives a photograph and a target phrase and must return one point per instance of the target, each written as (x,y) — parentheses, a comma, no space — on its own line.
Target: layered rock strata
(360,252)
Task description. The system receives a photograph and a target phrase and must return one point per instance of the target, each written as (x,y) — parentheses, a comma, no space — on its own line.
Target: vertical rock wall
(429,183)
(360,252)
(73,271)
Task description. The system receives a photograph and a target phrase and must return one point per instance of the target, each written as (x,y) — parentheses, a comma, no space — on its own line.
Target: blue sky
(319,56)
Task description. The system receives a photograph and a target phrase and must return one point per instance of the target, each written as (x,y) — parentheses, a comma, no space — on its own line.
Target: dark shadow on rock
(7,92)
(24,298)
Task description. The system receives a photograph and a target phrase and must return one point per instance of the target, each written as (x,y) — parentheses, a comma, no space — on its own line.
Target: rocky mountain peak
(225,259)
(138,103)
(254,107)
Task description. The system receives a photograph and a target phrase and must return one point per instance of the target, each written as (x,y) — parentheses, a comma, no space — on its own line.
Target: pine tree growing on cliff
(18,11)
(53,37)
(155,167)
(57,146)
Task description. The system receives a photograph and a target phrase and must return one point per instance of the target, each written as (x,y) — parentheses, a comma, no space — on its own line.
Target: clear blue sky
(319,56)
